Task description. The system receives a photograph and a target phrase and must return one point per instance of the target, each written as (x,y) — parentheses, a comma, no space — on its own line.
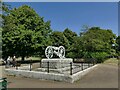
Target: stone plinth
(56,63)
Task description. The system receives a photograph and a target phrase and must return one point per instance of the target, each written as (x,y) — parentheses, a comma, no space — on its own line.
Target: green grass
(33,58)
(111,61)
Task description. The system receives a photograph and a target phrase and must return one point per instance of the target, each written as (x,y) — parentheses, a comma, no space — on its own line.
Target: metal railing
(58,67)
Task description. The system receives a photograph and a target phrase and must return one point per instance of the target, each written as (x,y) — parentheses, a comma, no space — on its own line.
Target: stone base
(49,76)
(56,63)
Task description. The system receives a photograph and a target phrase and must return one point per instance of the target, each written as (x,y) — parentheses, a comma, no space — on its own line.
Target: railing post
(70,68)
(73,59)
(88,64)
(40,63)
(93,62)
(30,65)
(82,66)
(48,66)
(16,67)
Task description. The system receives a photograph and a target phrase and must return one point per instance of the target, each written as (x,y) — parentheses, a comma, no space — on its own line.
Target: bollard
(48,66)
(70,68)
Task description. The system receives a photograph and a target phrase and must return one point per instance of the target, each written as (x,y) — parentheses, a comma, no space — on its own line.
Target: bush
(99,56)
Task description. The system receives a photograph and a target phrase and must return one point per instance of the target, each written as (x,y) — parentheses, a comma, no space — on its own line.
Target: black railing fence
(63,68)
(57,67)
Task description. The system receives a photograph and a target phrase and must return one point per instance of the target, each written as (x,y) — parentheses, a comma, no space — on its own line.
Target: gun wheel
(61,51)
(49,52)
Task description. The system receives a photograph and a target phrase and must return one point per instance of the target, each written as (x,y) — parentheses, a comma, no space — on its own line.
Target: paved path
(103,76)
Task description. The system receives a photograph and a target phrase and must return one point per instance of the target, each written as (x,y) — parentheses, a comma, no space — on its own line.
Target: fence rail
(58,67)
(63,68)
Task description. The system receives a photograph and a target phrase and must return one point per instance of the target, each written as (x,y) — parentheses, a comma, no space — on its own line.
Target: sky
(74,15)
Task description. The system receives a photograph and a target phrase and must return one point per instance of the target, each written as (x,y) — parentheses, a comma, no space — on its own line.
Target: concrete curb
(49,76)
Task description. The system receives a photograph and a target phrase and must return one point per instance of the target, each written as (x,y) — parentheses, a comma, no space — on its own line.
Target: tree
(84,29)
(59,39)
(118,45)
(95,43)
(77,48)
(71,39)
(69,35)
(4,9)
(24,32)
(0,42)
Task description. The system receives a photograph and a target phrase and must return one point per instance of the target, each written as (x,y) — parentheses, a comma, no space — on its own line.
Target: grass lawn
(111,61)
(33,58)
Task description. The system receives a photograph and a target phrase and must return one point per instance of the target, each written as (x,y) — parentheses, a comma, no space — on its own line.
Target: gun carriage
(59,51)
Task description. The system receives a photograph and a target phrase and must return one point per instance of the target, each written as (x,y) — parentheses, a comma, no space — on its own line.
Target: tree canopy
(25,33)
(94,43)
(118,45)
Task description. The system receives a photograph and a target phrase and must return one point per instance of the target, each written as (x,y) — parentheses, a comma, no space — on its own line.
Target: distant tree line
(25,33)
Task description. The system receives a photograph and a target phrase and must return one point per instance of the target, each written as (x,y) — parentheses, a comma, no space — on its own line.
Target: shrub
(99,56)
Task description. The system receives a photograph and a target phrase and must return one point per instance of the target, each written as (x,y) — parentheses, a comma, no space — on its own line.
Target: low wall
(49,76)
